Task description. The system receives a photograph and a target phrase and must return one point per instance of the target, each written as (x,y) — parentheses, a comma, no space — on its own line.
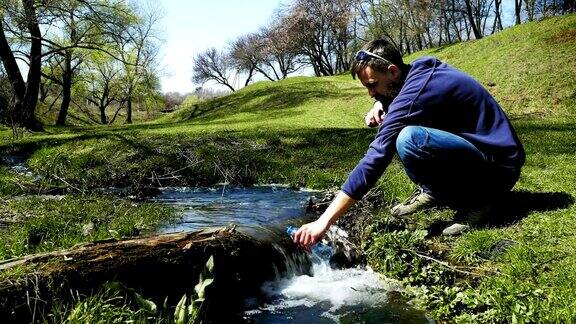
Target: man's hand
(309,234)
(375,116)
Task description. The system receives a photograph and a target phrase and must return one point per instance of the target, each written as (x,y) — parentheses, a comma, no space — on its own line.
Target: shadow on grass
(547,136)
(518,204)
(508,210)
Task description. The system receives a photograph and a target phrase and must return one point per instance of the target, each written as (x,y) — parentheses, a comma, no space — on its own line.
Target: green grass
(529,68)
(41,225)
(309,131)
(304,130)
(111,304)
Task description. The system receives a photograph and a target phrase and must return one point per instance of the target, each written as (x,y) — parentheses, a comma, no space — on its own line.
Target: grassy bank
(42,224)
(515,266)
(309,132)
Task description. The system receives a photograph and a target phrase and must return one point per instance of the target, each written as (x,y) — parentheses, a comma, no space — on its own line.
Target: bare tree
(172,100)
(477,12)
(246,55)
(269,52)
(459,19)
(322,31)
(213,65)
(530,9)
(383,19)
(569,6)
(103,83)
(209,93)
(544,8)
(138,49)
(497,25)
(412,24)
(280,51)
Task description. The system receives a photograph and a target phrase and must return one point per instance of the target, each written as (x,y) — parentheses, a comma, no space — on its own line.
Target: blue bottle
(319,250)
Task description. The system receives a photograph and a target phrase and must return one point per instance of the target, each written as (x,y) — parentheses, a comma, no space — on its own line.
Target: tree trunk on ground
(162,266)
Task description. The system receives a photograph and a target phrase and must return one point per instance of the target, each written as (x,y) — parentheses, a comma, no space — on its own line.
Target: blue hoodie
(437,95)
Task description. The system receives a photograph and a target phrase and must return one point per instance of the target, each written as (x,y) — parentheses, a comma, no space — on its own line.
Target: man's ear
(394,71)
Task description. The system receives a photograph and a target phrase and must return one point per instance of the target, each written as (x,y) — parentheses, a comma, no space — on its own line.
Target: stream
(324,295)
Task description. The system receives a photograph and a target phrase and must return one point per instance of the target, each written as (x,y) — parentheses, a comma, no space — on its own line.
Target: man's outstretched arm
(313,232)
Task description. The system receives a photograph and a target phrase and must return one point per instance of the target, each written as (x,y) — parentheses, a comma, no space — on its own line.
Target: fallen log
(162,266)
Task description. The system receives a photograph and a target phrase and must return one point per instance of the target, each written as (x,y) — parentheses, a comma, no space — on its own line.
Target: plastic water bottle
(319,250)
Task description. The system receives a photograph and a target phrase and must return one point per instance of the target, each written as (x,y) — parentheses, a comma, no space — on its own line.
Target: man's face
(382,86)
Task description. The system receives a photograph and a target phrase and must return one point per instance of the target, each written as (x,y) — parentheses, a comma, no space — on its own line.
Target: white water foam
(339,287)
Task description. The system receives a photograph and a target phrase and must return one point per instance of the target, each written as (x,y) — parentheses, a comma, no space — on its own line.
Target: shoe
(419,200)
(455,229)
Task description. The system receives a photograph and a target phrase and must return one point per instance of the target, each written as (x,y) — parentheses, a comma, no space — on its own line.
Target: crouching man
(454,140)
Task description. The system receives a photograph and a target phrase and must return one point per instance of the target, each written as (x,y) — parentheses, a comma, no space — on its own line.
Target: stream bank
(360,222)
(504,284)
(264,257)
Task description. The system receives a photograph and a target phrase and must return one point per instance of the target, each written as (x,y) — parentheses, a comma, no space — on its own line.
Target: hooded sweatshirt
(437,95)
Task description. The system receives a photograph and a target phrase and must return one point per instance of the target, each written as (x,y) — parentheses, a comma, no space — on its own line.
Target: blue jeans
(449,167)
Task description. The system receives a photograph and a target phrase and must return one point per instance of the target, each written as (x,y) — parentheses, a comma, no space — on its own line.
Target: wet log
(162,266)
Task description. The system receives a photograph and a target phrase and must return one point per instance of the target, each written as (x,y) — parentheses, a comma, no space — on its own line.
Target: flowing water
(18,165)
(221,206)
(326,295)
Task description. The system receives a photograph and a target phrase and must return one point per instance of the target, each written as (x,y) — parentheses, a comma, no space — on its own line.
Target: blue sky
(191,26)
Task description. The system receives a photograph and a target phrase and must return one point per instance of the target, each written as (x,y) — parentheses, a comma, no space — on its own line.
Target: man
(454,140)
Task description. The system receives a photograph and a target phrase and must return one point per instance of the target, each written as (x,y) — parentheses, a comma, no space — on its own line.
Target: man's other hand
(309,234)
(375,116)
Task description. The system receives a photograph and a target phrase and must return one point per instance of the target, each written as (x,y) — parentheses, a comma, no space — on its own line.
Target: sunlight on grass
(309,132)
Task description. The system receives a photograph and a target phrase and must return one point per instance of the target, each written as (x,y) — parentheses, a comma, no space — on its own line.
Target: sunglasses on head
(363,55)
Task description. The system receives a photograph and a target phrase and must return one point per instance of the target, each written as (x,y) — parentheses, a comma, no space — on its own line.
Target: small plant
(188,311)
(390,252)
(115,303)
(475,247)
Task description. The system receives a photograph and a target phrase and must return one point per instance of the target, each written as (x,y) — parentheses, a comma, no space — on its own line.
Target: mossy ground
(309,132)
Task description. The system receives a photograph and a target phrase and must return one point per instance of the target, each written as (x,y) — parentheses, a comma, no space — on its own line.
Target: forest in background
(323,35)
(90,61)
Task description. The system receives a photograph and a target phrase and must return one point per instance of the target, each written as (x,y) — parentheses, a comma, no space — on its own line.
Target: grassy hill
(530,69)
(296,122)
(309,131)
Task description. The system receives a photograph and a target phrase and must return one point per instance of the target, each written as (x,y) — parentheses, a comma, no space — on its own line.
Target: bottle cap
(291,229)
